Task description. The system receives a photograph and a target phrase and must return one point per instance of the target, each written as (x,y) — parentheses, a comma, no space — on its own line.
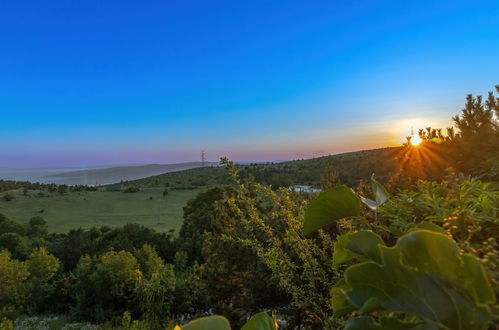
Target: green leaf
(214,322)
(260,321)
(425,274)
(330,206)
(380,193)
(362,245)
(429,226)
(339,301)
(367,323)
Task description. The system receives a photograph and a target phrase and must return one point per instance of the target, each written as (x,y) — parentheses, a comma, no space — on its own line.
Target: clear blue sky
(107,82)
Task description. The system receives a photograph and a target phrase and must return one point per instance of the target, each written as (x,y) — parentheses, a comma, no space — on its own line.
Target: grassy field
(98,208)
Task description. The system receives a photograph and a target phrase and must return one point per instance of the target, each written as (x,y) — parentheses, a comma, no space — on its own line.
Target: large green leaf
(362,245)
(260,321)
(330,206)
(214,322)
(429,226)
(367,323)
(339,301)
(425,274)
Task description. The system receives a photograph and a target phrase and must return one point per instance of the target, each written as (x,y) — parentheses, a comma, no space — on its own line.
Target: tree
(478,134)
(9,197)
(330,178)
(37,227)
(105,285)
(149,260)
(13,274)
(9,226)
(155,296)
(198,218)
(42,266)
(16,244)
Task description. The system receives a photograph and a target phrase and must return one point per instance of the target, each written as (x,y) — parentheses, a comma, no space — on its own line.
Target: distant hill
(116,174)
(351,166)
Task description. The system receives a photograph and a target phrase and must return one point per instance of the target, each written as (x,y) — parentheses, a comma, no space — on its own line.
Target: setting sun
(416,140)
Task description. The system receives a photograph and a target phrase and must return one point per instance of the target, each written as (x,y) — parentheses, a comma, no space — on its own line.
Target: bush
(105,286)
(131,190)
(42,267)
(9,197)
(13,291)
(16,244)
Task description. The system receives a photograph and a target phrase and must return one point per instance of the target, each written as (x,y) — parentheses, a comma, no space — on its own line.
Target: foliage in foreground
(423,281)
(423,276)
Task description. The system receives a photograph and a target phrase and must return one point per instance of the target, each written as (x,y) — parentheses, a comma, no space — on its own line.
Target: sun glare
(416,140)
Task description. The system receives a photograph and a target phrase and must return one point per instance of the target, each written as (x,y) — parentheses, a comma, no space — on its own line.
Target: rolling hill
(351,167)
(117,174)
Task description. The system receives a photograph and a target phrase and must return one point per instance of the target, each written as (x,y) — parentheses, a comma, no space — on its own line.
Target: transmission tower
(202,158)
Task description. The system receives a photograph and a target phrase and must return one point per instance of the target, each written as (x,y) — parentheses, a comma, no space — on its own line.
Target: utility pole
(202,158)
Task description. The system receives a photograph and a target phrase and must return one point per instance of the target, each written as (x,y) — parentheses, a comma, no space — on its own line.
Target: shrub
(42,267)
(13,291)
(9,197)
(16,244)
(131,190)
(105,285)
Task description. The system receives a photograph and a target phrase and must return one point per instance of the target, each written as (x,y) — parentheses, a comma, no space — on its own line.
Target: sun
(416,140)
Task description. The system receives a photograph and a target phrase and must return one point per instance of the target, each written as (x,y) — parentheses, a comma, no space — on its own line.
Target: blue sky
(110,82)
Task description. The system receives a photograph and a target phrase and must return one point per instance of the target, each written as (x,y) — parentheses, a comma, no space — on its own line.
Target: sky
(86,83)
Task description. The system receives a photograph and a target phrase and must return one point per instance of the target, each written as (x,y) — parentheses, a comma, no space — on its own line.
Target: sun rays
(421,160)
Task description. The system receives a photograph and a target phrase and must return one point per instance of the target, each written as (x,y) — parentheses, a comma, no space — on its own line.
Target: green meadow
(85,209)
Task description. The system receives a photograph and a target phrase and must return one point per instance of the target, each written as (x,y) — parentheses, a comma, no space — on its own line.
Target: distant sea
(39,174)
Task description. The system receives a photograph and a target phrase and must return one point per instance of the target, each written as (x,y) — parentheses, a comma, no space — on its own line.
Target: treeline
(6,185)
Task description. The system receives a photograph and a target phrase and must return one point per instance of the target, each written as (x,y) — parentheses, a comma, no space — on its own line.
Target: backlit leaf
(214,322)
(330,206)
(362,245)
(260,321)
(380,193)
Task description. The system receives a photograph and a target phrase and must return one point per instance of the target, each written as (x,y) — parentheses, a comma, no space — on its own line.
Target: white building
(306,189)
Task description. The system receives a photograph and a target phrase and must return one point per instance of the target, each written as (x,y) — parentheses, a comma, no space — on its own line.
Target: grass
(98,208)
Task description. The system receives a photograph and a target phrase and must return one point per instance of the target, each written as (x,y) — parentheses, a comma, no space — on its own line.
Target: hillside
(116,174)
(351,166)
